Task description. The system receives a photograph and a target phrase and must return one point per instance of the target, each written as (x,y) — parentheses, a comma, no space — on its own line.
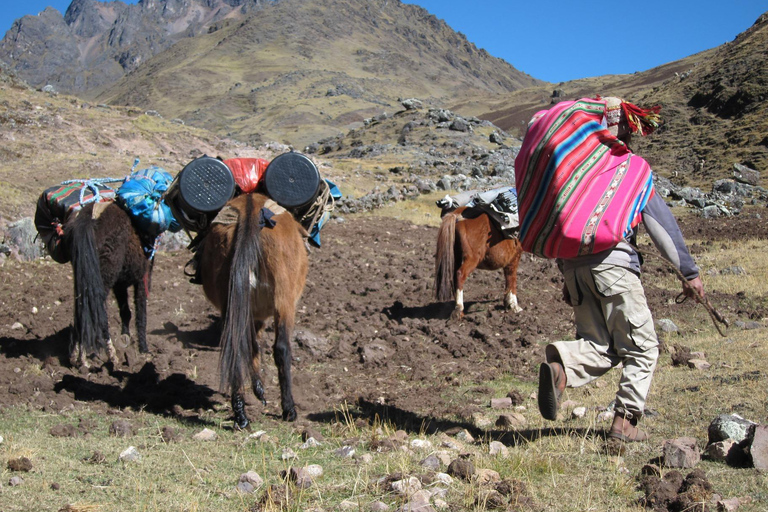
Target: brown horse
(251,272)
(106,253)
(469,237)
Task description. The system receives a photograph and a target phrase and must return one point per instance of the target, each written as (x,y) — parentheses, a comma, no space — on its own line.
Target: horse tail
(239,332)
(90,323)
(445,257)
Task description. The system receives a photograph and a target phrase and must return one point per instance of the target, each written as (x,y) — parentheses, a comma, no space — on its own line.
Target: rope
(714,314)
(324,202)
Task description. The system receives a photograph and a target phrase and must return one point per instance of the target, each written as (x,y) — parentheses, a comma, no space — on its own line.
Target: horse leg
(121,294)
(256,384)
(140,292)
(468,264)
(238,408)
(77,356)
(510,291)
(282,353)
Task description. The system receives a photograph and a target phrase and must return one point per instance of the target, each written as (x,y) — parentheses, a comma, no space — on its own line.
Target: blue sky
(555,41)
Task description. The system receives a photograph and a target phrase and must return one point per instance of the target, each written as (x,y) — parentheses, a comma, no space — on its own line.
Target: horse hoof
(289,415)
(242,424)
(458,314)
(124,341)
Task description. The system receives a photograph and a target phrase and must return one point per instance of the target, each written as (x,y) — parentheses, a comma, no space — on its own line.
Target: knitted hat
(640,120)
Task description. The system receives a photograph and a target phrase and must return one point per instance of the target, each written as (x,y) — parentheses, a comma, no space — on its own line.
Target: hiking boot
(552,382)
(625,429)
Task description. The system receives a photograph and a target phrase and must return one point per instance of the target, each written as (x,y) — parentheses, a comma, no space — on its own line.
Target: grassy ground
(563,464)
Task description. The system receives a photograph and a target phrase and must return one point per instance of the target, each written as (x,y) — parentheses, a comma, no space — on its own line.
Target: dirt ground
(368,332)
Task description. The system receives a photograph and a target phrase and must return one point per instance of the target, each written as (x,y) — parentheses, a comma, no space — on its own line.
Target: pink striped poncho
(580,189)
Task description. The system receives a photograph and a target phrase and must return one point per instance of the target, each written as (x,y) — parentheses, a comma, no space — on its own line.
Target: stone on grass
(421,444)
(501,403)
(252,478)
(698,364)
(15,481)
(206,435)
(728,426)
(514,420)
(579,412)
(487,476)
(345,452)
(759,447)
(681,453)
(430,462)
(719,450)
(465,436)
(379,506)
(407,486)
(130,454)
(498,448)
(311,442)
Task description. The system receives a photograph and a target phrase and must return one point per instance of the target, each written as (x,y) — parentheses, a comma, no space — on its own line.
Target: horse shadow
(55,345)
(143,390)
(413,423)
(206,339)
(435,310)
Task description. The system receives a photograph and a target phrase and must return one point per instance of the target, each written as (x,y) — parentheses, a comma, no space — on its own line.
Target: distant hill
(301,72)
(714,104)
(293,71)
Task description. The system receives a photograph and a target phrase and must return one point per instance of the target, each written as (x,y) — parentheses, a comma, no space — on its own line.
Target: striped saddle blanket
(580,189)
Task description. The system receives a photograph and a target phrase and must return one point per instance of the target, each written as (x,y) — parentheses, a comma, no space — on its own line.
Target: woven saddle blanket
(500,204)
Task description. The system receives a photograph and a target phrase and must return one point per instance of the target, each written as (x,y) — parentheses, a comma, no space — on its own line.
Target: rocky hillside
(294,70)
(95,43)
(714,104)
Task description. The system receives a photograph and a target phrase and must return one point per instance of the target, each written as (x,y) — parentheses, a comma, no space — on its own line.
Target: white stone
(444,478)
(206,435)
(421,444)
(311,442)
(288,454)
(16,326)
(130,454)
(407,487)
(579,412)
(314,470)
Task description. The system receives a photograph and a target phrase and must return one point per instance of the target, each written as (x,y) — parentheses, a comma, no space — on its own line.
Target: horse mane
(445,257)
(239,330)
(90,294)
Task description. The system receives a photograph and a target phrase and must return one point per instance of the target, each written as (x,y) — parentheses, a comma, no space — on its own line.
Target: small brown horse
(106,253)
(252,272)
(468,236)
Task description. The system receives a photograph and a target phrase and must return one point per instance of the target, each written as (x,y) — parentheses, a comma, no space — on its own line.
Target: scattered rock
(681,453)
(578,412)
(513,421)
(130,454)
(345,452)
(15,481)
(501,403)
(759,446)
(728,426)
(206,435)
(407,486)
(498,448)
(96,458)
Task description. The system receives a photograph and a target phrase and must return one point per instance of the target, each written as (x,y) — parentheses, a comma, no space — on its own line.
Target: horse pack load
(57,203)
(141,196)
(580,188)
(247,172)
(291,180)
(500,204)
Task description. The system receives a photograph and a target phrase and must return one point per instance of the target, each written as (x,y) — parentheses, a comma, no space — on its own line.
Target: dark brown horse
(106,253)
(253,272)
(468,239)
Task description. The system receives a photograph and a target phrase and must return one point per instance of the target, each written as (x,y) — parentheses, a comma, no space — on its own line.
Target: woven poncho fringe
(580,189)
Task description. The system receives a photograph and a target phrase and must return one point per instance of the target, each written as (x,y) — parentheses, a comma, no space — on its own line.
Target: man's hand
(694,289)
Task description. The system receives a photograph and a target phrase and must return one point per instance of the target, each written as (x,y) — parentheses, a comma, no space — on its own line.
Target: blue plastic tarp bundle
(141,195)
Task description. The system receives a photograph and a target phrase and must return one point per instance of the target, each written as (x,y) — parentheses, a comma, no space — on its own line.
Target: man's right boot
(552,382)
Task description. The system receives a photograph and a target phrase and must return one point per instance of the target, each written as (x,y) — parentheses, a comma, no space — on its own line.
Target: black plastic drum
(292,180)
(205,185)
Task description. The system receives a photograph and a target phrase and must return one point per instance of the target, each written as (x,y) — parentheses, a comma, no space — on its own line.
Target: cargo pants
(614,325)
